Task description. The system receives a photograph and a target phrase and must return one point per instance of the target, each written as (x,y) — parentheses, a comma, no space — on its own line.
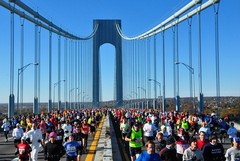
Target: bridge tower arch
(107,33)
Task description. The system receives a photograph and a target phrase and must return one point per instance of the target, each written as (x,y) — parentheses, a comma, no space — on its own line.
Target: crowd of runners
(177,136)
(146,135)
(55,134)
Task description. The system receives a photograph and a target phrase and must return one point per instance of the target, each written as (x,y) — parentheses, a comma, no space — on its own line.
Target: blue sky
(137,16)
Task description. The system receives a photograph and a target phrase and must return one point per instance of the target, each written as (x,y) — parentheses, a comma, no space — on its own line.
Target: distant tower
(107,33)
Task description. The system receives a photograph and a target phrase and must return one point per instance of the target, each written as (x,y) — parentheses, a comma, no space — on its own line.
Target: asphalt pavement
(106,146)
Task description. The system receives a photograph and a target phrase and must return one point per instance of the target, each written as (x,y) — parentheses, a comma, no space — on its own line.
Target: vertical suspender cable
(21,62)
(174,69)
(65,72)
(84,72)
(127,80)
(216,9)
(148,71)
(35,106)
(76,80)
(141,72)
(144,77)
(190,61)
(155,71)
(82,90)
(76,74)
(100,77)
(11,96)
(69,72)
(38,66)
(134,73)
(59,72)
(73,75)
(79,74)
(132,85)
(177,70)
(115,76)
(200,108)
(123,71)
(124,64)
(138,73)
(163,73)
(50,73)
(91,67)
(130,71)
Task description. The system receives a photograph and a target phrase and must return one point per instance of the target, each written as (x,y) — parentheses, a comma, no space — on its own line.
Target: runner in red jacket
(23,150)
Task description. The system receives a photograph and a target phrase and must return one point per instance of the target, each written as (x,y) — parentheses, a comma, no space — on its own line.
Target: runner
(53,151)
(169,152)
(73,149)
(182,139)
(150,154)
(202,141)
(160,143)
(60,133)
(149,130)
(192,153)
(17,134)
(67,128)
(232,132)
(85,131)
(233,153)
(6,127)
(135,138)
(35,136)
(23,150)
(213,151)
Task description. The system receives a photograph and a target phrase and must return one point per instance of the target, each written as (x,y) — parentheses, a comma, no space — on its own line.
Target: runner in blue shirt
(73,149)
(150,154)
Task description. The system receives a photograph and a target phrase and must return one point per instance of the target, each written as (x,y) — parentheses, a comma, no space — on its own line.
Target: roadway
(96,145)
(7,149)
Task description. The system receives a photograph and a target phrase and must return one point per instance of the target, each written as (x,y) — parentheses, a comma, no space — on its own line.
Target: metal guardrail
(123,150)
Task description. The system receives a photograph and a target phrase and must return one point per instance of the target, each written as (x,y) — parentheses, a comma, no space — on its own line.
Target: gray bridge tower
(107,33)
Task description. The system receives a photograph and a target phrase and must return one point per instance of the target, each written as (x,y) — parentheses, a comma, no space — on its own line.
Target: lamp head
(35,63)
(177,62)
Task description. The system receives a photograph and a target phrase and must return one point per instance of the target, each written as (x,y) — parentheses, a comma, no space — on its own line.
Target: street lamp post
(145,95)
(70,91)
(131,100)
(83,99)
(191,69)
(20,70)
(136,98)
(56,84)
(82,94)
(159,88)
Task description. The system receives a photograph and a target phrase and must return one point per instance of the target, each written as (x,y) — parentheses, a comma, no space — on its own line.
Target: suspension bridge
(41,57)
(142,62)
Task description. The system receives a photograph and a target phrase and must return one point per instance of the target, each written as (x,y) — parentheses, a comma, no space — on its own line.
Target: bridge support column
(107,33)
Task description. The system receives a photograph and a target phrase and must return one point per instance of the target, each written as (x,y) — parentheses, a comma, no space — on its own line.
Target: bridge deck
(103,147)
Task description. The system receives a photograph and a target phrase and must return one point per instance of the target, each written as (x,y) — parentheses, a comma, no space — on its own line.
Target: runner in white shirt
(17,134)
(67,128)
(35,136)
(148,129)
(6,127)
(233,153)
